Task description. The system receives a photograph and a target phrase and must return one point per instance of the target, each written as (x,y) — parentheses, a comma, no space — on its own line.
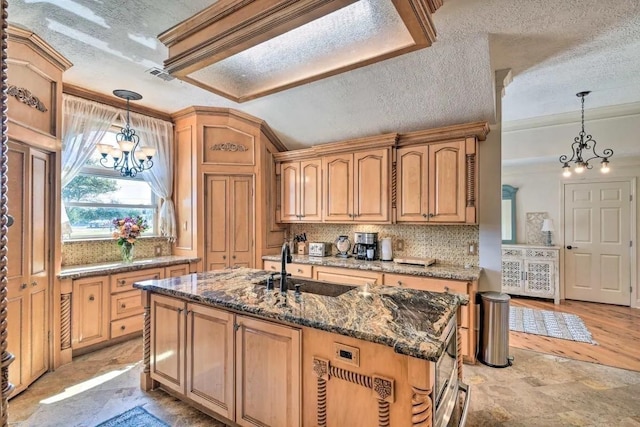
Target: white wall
(539,182)
(490,207)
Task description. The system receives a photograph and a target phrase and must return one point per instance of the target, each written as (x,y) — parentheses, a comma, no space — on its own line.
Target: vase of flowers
(128,229)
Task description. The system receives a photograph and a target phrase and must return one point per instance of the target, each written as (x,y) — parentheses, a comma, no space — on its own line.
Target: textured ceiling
(555,48)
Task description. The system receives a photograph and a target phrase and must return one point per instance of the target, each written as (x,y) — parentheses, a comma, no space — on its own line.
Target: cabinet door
(176,270)
(539,278)
(90,308)
(290,191)
(268,380)
(210,370)
(412,182)
(217,223)
(168,342)
(447,182)
(311,190)
(512,276)
(371,186)
(338,188)
(241,226)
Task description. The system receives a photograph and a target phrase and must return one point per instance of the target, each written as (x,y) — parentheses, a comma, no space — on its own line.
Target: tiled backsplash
(448,244)
(80,252)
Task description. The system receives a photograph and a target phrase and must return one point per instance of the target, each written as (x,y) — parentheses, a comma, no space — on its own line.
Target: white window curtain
(84,124)
(159,135)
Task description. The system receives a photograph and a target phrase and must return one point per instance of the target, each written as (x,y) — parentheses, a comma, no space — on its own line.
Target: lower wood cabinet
(347,276)
(296,270)
(193,347)
(90,311)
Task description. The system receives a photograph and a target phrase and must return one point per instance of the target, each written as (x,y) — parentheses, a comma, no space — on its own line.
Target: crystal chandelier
(580,155)
(129,158)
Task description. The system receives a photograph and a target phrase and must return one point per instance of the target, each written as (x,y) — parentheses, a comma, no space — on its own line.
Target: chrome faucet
(285,257)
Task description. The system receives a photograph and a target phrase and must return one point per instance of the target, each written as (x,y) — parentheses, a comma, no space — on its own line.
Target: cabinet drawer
(512,252)
(127,326)
(126,304)
(123,281)
(541,254)
(296,270)
(176,270)
(426,283)
(346,276)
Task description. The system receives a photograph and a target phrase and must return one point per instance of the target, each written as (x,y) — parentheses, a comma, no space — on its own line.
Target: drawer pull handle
(123,306)
(34,283)
(91,298)
(23,286)
(399,283)
(299,270)
(123,327)
(273,267)
(156,276)
(122,282)
(446,289)
(224,257)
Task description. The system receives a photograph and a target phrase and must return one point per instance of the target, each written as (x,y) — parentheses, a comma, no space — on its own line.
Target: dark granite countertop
(411,322)
(89,270)
(442,271)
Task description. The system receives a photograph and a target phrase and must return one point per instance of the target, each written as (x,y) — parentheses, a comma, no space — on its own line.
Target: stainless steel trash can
(494,329)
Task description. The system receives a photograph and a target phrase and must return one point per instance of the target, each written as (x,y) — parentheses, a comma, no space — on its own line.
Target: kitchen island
(224,343)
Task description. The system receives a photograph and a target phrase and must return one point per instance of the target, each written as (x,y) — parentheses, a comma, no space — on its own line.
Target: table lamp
(547,227)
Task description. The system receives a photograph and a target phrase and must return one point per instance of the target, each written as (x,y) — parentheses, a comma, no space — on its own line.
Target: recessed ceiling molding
(199,46)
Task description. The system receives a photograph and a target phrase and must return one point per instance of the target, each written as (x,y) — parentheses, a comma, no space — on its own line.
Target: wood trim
(232,26)
(441,134)
(347,146)
(111,100)
(20,35)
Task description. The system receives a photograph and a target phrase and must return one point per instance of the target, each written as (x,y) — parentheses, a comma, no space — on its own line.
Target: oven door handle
(465,407)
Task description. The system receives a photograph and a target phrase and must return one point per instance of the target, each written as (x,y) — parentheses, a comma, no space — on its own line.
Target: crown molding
(602,113)
(24,36)
(478,130)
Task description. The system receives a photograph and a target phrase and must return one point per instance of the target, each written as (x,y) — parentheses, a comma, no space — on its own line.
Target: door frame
(633,230)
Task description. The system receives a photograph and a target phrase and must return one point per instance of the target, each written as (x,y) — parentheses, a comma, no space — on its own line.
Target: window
(98,195)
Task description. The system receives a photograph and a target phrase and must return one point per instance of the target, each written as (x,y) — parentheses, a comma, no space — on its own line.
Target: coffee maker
(366,246)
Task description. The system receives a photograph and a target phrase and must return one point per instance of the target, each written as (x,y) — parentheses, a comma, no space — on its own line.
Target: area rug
(549,323)
(134,417)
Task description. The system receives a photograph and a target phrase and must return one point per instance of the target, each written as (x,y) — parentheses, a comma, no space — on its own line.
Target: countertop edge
(101,269)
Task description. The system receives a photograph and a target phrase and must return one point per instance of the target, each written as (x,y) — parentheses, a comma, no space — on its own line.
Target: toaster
(320,249)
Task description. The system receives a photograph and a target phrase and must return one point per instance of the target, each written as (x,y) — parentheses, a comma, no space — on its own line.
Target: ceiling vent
(160,74)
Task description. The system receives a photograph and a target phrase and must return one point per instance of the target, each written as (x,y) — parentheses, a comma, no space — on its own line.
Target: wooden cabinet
(176,270)
(90,311)
(531,271)
(467,313)
(217,360)
(229,231)
(124,281)
(28,263)
(431,182)
(296,270)
(258,341)
(346,276)
(356,187)
(301,191)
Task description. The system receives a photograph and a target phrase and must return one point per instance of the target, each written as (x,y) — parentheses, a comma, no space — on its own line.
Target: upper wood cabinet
(301,190)
(431,183)
(356,187)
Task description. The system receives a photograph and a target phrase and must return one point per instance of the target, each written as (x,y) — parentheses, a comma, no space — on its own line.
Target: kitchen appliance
(319,249)
(366,246)
(386,253)
(343,244)
(422,262)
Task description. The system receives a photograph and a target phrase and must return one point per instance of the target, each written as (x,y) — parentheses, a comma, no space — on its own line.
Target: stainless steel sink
(312,286)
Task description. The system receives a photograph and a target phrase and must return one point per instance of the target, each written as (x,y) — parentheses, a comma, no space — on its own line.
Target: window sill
(97,239)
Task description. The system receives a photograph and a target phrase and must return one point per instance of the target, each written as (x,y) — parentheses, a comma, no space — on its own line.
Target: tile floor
(538,390)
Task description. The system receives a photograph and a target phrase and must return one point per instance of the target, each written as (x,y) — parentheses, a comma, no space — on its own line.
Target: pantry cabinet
(216,359)
(301,190)
(356,187)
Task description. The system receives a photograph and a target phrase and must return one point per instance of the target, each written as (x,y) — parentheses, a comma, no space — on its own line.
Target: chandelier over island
(129,158)
(580,155)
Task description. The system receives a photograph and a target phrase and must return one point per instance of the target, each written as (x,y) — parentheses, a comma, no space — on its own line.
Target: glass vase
(127,252)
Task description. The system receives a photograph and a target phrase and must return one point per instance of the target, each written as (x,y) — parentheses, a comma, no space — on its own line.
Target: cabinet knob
(424,215)
(23,286)
(123,306)
(34,283)
(431,215)
(122,328)
(236,326)
(91,298)
(156,276)
(299,270)
(350,215)
(224,257)
(234,257)
(399,283)
(122,282)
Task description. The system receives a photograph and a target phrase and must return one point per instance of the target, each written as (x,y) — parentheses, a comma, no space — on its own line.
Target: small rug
(134,417)
(549,323)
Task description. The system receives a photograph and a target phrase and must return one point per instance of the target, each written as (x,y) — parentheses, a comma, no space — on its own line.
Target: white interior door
(597,242)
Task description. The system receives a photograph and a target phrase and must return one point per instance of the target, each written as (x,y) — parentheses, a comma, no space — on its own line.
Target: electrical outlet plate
(472,248)
(399,245)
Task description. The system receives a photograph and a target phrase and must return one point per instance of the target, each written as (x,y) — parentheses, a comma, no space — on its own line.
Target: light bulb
(605,166)
(566,173)
(580,168)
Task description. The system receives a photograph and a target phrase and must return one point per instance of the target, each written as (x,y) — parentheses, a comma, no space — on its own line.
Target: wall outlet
(399,243)
(158,250)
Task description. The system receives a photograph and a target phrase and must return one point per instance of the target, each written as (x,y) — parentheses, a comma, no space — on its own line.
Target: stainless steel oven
(447,386)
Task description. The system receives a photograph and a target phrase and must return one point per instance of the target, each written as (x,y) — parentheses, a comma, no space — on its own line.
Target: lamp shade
(547,225)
